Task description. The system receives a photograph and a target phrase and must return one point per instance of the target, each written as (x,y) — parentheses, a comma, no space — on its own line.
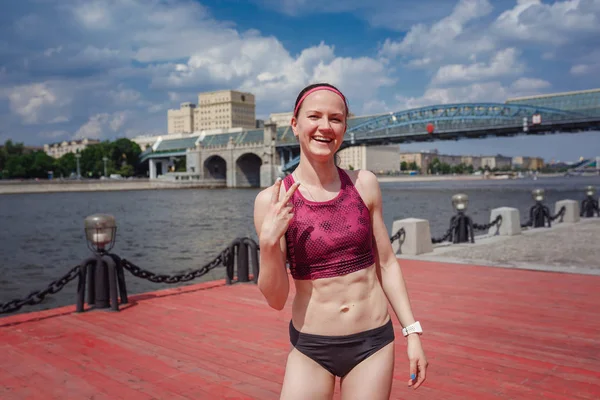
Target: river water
(168,231)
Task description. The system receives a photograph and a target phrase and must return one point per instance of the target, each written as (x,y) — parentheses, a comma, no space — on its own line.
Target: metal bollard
(242,261)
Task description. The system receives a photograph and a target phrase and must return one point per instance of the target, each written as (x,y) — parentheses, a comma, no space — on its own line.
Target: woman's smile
(322,139)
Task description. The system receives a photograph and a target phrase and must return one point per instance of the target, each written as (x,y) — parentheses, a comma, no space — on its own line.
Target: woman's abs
(340,306)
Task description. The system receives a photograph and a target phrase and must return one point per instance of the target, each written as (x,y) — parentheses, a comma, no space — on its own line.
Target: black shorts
(340,354)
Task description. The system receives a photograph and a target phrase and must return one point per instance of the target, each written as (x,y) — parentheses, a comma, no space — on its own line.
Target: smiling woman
(327,223)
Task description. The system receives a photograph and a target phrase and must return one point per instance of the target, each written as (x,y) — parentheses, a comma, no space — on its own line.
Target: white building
(59,149)
(281,119)
(222,109)
(377,159)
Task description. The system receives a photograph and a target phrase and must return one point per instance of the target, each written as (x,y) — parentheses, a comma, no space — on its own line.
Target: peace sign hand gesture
(278,214)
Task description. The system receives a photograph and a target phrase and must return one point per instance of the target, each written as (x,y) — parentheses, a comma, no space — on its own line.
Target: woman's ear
(294,125)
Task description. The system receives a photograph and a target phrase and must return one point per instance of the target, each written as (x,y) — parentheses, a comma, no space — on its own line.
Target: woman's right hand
(278,215)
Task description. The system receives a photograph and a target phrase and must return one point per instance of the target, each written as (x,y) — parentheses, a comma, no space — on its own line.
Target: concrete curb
(443,252)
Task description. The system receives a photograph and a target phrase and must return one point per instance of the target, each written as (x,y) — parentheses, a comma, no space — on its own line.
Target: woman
(328,224)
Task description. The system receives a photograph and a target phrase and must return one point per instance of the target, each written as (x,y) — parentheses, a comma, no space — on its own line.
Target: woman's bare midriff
(341,305)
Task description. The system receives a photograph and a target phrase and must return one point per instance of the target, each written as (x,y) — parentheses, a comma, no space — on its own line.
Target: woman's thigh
(305,379)
(372,378)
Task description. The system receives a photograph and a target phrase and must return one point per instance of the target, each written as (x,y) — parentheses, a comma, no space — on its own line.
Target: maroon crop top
(330,238)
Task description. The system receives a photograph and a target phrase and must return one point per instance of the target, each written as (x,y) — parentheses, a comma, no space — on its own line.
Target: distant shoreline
(429,178)
(95,185)
(434,178)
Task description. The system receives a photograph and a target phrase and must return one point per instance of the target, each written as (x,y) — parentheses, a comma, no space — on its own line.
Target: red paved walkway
(491,333)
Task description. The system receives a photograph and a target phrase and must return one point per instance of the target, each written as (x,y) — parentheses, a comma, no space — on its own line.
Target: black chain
(221,259)
(485,227)
(398,236)
(447,235)
(38,296)
(560,214)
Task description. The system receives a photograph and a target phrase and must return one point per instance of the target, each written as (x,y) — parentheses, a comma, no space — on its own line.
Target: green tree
(122,155)
(404,166)
(127,170)
(40,164)
(458,169)
(435,166)
(15,167)
(91,160)
(445,169)
(13,149)
(65,165)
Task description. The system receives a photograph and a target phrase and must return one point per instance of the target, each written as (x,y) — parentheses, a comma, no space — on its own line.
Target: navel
(345,308)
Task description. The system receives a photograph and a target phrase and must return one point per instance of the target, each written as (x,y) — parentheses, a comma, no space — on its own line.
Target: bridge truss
(458,118)
(465,120)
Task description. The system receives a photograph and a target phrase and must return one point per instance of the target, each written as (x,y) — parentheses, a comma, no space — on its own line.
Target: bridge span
(257,157)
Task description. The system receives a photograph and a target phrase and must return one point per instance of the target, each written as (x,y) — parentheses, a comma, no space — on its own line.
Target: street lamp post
(461,223)
(539,213)
(589,205)
(460,202)
(77,157)
(105,159)
(104,272)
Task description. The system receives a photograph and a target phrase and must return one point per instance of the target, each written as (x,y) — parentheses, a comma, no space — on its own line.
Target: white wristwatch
(412,328)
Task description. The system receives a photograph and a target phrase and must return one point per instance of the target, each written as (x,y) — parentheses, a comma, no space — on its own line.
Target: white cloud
(557,23)
(155,108)
(117,121)
(529,84)
(587,64)
(584,69)
(93,54)
(502,63)
(475,92)
(59,119)
(53,50)
(125,97)
(117,66)
(171,50)
(449,37)
(358,78)
(53,134)
(186,48)
(94,128)
(264,67)
(100,125)
(93,14)
(37,103)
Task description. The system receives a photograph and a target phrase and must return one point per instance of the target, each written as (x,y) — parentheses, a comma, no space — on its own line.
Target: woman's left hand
(417,359)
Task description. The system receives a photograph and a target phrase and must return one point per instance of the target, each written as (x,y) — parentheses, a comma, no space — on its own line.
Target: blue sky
(112,68)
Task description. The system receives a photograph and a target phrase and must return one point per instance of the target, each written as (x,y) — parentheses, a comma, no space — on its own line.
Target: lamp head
(100,232)
(590,191)
(538,194)
(460,201)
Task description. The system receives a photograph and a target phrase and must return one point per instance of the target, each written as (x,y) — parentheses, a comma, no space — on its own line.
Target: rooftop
(542,96)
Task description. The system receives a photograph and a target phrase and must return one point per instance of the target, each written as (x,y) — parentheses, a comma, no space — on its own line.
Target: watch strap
(412,328)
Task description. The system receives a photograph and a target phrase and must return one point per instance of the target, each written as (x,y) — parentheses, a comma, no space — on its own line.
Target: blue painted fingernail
(413,376)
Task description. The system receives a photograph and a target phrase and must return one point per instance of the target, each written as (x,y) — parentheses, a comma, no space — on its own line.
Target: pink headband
(314,90)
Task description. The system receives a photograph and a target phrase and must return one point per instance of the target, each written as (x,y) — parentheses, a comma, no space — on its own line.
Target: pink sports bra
(330,238)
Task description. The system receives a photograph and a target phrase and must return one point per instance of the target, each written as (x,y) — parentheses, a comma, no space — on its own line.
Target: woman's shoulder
(366,184)
(362,177)
(265,196)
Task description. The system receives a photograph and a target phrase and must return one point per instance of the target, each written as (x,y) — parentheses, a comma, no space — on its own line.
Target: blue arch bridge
(252,158)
